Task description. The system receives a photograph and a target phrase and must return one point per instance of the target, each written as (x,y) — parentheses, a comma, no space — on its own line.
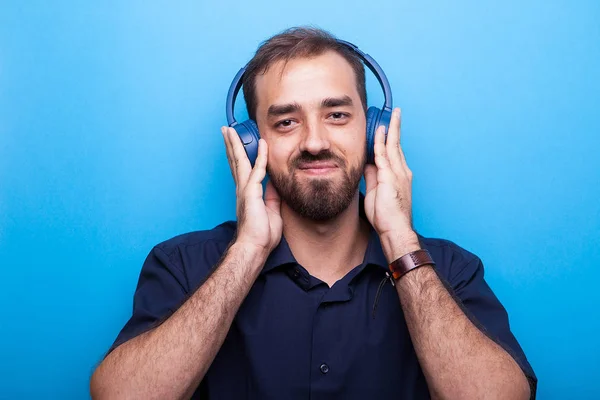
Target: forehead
(306,81)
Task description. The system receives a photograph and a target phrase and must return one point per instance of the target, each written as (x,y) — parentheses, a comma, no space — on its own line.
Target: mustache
(306,157)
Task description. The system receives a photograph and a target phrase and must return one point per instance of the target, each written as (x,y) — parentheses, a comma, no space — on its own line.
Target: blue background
(110,143)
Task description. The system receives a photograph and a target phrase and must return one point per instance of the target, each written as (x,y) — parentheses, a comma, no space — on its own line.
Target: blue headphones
(248,130)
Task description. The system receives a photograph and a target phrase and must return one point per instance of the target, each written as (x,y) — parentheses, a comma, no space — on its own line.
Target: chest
(291,340)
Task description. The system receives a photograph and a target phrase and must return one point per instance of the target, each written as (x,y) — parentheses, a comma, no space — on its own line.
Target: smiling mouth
(317,167)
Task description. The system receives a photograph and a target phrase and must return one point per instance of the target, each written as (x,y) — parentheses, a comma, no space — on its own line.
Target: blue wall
(110,143)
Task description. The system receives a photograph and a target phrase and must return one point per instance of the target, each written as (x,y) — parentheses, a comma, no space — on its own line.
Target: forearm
(458,360)
(169,361)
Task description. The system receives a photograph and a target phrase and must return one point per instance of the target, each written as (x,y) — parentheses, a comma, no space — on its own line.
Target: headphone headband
(236,84)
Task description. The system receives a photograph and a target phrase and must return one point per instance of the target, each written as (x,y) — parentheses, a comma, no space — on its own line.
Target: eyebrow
(331,102)
(276,110)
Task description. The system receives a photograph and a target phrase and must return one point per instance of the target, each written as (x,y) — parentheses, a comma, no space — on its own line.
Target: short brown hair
(297,42)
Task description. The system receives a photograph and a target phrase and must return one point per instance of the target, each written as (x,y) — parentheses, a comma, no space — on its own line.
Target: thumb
(370,177)
(272,198)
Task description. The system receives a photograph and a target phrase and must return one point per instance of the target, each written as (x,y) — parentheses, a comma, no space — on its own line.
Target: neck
(327,249)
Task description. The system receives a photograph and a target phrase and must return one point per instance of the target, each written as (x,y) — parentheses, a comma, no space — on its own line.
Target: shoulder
(222,233)
(194,254)
(451,259)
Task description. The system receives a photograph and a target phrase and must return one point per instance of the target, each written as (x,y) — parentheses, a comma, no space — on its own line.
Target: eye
(338,116)
(286,123)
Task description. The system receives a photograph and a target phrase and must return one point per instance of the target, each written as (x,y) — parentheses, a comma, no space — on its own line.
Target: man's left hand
(388,201)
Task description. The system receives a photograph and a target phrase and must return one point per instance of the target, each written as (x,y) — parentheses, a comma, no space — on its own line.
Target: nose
(315,139)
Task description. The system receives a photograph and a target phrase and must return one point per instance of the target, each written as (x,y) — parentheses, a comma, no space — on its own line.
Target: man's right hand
(259,221)
(144,367)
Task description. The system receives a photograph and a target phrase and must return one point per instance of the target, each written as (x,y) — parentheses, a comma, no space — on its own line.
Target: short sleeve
(160,291)
(485,310)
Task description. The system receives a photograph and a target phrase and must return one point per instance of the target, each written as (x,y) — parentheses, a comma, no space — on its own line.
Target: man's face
(312,118)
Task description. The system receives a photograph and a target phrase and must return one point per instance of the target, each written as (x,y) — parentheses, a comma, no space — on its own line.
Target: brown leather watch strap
(409,262)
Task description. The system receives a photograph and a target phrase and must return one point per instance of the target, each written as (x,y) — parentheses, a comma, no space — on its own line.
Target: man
(293,301)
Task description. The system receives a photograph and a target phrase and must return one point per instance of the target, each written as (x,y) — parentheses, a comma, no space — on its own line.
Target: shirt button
(296,272)
(324,368)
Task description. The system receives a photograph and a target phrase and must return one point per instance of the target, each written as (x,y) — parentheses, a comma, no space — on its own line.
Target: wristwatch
(408,262)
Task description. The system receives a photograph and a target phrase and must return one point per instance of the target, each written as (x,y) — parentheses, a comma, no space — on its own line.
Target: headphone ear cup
(376,118)
(248,133)
(373,114)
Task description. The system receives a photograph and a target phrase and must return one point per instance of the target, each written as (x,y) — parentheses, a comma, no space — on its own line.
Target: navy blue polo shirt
(296,338)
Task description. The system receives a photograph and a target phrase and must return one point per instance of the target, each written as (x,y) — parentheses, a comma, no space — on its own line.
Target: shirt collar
(282,254)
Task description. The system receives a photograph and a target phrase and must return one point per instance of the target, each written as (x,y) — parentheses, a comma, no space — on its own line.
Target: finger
(272,198)
(400,139)
(228,153)
(260,166)
(393,141)
(381,159)
(240,159)
(370,177)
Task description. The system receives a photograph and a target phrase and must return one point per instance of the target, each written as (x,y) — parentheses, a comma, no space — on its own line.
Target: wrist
(395,245)
(256,255)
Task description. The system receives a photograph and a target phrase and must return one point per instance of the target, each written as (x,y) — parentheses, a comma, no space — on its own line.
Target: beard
(317,198)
